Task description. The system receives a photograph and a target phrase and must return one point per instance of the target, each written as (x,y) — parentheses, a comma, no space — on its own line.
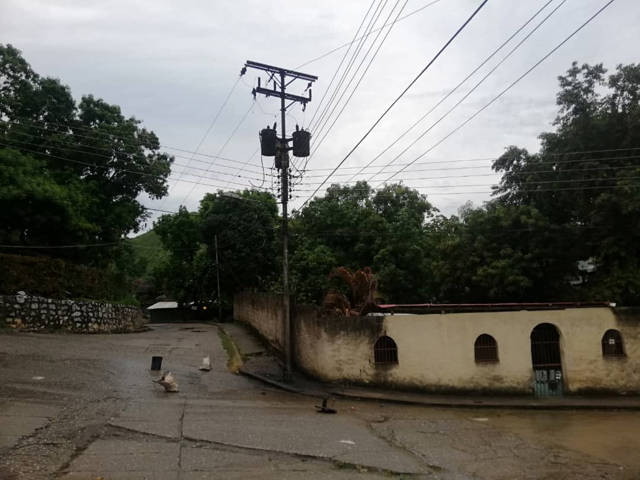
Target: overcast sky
(172,64)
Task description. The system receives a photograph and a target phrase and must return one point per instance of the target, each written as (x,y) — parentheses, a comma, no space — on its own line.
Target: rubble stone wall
(30,313)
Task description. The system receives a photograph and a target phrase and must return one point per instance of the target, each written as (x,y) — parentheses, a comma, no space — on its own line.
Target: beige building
(549,349)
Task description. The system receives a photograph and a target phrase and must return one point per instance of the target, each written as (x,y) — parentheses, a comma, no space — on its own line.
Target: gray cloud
(172,64)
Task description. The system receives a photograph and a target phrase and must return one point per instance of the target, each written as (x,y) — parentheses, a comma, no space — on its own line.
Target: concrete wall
(23,312)
(263,312)
(436,351)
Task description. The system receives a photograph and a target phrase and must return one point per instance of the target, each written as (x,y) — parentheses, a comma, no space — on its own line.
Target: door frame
(546,360)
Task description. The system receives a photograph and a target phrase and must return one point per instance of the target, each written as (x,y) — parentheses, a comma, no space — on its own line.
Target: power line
(454,89)
(112,158)
(401,95)
(529,182)
(475,167)
(581,160)
(432,162)
(104,167)
(348,44)
(126,142)
(541,190)
(553,50)
(485,159)
(215,119)
(512,174)
(241,167)
(77,245)
(160,210)
(417,188)
(473,89)
(344,105)
(374,18)
(224,145)
(340,64)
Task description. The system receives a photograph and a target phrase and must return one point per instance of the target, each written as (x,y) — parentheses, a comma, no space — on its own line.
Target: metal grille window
(545,346)
(486,349)
(385,351)
(612,344)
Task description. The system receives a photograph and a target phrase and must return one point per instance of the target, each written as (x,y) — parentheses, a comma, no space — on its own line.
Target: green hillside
(149,246)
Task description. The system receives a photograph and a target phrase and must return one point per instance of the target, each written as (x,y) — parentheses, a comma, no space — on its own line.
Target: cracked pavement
(85,407)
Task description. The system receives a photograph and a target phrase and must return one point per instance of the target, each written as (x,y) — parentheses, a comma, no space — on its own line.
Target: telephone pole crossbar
(272,145)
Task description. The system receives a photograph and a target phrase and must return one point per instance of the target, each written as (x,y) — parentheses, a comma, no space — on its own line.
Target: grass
(234,361)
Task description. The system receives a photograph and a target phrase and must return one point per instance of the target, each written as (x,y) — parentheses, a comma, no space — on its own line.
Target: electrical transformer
(301,142)
(268,142)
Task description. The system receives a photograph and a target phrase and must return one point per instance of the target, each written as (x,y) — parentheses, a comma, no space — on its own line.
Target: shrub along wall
(56,278)
(30,313)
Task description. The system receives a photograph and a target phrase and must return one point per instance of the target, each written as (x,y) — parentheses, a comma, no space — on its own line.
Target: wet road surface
(85,406)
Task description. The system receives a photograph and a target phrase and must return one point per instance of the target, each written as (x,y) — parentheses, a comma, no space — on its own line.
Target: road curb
(268,381)
(524,405)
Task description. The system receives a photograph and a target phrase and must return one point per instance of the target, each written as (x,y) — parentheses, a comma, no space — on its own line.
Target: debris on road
(324,408)
(168,382)
(206,364)
(156,363)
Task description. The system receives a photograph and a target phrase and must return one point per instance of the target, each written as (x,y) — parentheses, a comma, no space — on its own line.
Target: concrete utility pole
(300,139)
(215,239)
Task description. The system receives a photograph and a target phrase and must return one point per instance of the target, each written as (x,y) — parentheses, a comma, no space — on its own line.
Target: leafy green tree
(94,162)
(180,235)
(245,224)
(498,253)
(400,260)
(357,227)
(584,179)
(34,205)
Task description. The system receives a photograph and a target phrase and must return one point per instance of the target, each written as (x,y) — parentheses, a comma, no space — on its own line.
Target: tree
(245,224)
(498,253)
(584,179)
(400,260)
(357,227)
(180,235)
(87,164)
(361,288)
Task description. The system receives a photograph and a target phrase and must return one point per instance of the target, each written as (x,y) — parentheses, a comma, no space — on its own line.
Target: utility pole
(271,145)
(215,240)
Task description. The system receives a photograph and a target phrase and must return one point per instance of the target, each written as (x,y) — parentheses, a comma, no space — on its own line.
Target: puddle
(612,436)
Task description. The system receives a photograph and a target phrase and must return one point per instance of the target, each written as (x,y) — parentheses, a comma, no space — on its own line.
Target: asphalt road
(85,407)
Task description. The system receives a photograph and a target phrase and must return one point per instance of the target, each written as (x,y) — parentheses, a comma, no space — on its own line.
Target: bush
(56,278)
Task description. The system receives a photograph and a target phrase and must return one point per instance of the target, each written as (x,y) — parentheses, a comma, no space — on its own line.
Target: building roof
(484,307)
(163,306)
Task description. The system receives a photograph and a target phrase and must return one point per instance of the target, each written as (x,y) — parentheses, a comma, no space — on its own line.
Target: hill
(149,246)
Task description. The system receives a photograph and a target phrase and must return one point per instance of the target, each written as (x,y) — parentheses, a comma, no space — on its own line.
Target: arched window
(612,344)
(486,349)
(385,351)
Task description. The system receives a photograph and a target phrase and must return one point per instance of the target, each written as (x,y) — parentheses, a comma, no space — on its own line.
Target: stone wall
(29,313)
